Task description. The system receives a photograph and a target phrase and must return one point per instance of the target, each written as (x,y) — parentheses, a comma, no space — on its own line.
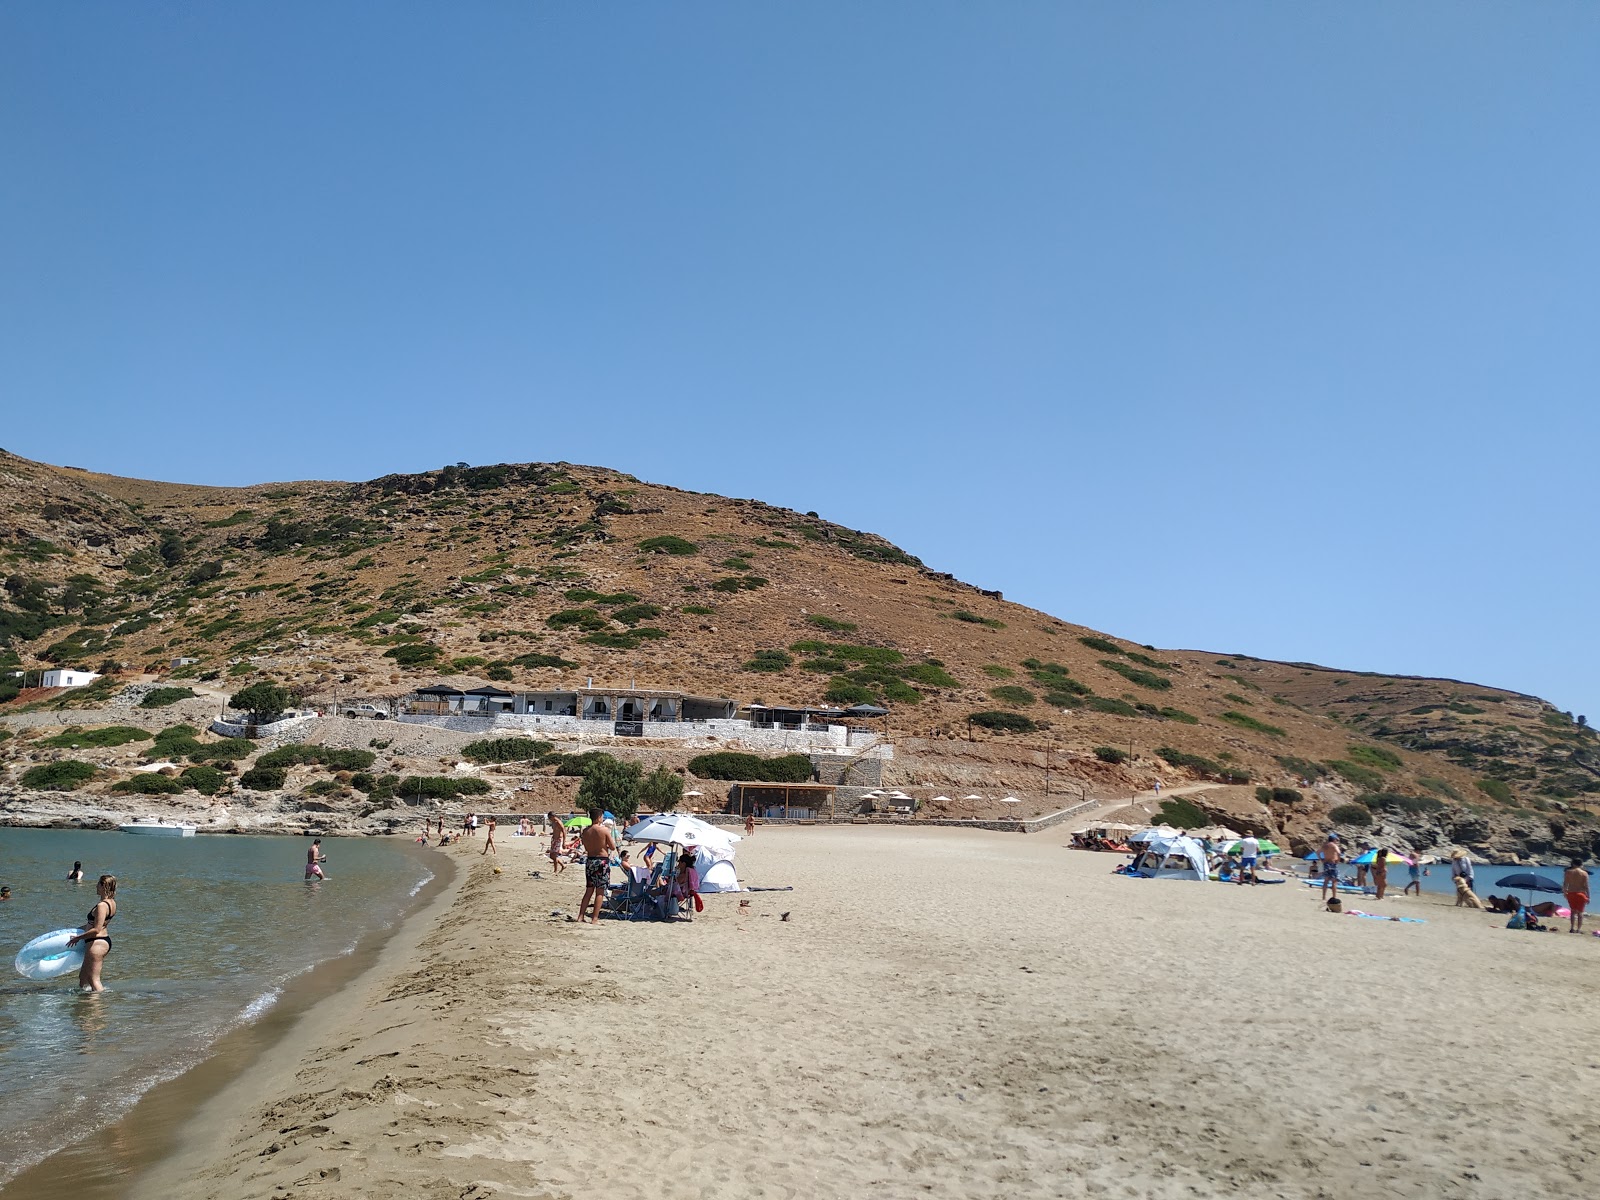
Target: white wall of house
(63,677)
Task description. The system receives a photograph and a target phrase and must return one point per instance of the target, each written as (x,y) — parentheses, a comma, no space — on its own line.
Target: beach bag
(1518,920)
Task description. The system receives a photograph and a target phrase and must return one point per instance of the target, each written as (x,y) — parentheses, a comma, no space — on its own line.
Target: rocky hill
(545,575)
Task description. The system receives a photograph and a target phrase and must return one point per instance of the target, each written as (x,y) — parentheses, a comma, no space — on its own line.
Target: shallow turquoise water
(208,931)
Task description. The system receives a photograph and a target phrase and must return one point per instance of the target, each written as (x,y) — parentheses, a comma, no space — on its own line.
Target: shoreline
(163,1124)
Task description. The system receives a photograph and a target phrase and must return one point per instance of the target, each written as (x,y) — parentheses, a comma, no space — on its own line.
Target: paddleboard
(49,956)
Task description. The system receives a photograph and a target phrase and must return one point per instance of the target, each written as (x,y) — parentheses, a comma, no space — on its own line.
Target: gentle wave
(424,882)
(257,1007)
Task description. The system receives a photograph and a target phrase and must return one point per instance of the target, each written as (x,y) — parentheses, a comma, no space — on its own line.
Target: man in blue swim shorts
(1332,854)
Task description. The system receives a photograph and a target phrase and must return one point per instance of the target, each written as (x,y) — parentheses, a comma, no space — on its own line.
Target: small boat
(151,827)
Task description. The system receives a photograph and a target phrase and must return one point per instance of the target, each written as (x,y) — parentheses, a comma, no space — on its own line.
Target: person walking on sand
(1413,876)
(472,825)
(314,860)
(749,824)
(1332,854)
(1380,872)
(96,941)
(556,833)
(598,846)
(488,844)
(1575,883)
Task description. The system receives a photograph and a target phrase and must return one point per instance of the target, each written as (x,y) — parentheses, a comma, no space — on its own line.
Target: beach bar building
(797,801)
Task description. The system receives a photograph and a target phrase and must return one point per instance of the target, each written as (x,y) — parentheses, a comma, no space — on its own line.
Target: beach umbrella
(940,800)
(1527,881)
(681,828)
(1009,800)
(972,797)
(1371,856)
(577,822)
(1150,835)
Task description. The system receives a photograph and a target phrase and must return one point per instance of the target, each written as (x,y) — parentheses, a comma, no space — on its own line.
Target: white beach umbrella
(1155,833)
(681,828)
(940,800)
(972,797)
(1009,800)
(694,792)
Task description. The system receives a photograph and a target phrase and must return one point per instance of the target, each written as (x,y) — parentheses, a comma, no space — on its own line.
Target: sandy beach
(944,1013)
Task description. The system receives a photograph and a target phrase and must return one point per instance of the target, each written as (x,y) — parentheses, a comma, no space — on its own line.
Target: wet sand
(946,1013)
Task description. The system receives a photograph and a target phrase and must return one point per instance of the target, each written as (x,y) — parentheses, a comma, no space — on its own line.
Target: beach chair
(635,898)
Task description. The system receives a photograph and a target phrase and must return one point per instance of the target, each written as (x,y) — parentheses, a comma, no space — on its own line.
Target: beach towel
(1381,917)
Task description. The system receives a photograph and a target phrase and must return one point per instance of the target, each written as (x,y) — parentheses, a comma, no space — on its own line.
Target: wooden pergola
(813,796)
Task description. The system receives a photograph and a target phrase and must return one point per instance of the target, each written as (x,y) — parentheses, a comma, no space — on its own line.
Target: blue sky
(1265,328)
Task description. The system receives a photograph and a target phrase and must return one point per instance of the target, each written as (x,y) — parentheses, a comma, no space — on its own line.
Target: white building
(64,677)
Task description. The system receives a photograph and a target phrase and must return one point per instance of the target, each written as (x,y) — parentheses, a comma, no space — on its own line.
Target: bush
(929,674)
(1397,802)
(752,768)
(1304,768)
(1182,814)
(632,614)
(631,640)
(1246,721)
(770,661)
(149,783)
(831,624)
(510,749)
(972,618)
(996,671)
(1495,789)
(1108,704)
(541,660)
(1364,778)
(739,583)
(109,735)
(1006,722)
(440,787)
(1177,714)
(161,697)
(205,780)
(667,544)
(612,785)
(228,750)
(263,779)
(1350,814)
(328,756)
(660,791)
(842,691)
(1145,679)
(1010,693)
(1374,756)
(582,618)
(1110,754)
(64,776)
(1440,786)
(1202,766)
(1101,644)
(698,610)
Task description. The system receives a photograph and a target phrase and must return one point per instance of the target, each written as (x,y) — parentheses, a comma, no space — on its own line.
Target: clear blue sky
(1266,328)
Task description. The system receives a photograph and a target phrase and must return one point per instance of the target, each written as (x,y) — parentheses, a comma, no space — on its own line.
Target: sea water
(208,932)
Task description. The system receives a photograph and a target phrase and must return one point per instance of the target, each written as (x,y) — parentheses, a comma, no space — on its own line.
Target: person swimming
(76,874)
(96,941)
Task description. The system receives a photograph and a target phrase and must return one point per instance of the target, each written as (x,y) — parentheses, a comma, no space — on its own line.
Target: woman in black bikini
(96,941)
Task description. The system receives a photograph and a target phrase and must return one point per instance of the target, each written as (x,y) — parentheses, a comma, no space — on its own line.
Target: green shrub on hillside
(972,618)
(667,544)
(1145,679)
(1009,693)
(1201,765)
(440,787)
(728,765)
(65,776)
(581,618)
(1111,705)
(541,660)
(632,614)
(413,654)
(1350,814)
(1238,699)
(1177,714)
(263,779)
(1440,786)
(332,757)
(698,610)
(108,735)
(1101,644)
(831,624)
(769,661)
(149,783)
(1182,813)
(929,674)
(506,749)
(1397,802)
(1004,722)
(1364,778)
(1495,789)
(227,750)
(996,671)
(842,691)
(205,780)
(1304,768)
(161,697)
(739,583)
(1146,660)
(631,640)
(1110,754)
(1245,721)
(1374,756)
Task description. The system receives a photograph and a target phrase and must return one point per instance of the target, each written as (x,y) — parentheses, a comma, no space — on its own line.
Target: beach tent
(1158,831)
(1176,857)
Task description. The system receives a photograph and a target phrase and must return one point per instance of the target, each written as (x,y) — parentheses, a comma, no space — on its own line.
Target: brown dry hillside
(539,574)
